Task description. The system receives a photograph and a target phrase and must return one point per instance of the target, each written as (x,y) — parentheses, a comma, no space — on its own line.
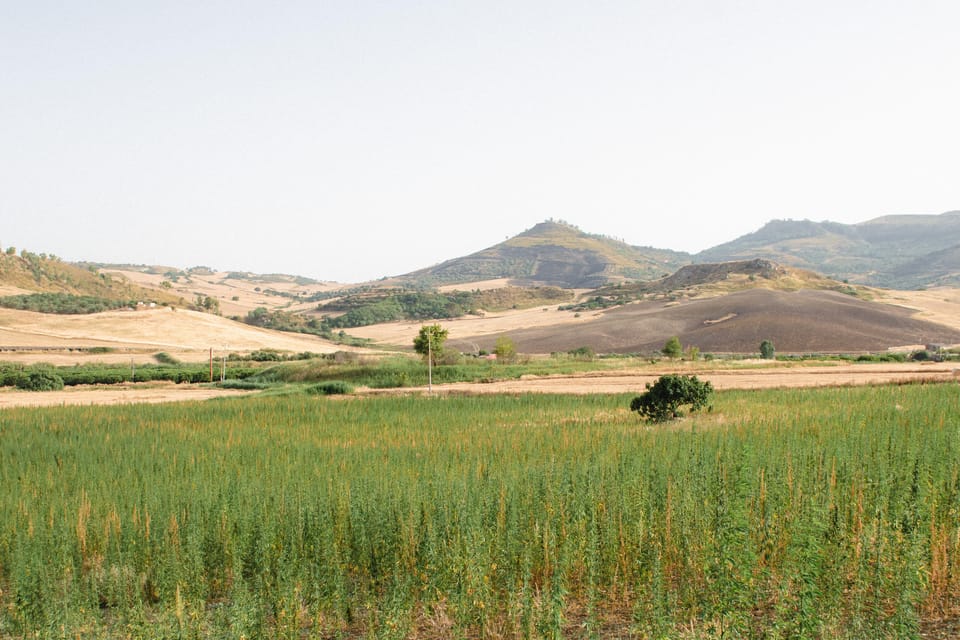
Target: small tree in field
(672,348)
(505,349)
(662,399)
(766,350)
(430,342)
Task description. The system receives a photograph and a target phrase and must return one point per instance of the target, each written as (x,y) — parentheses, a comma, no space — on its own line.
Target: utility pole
(429,360)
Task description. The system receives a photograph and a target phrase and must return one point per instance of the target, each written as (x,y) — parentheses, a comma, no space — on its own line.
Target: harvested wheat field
(151,393)
(236,295)
(189,335)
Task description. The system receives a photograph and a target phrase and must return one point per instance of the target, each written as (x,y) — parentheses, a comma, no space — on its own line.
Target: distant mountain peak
(549,226)
(905,251)
(554,253)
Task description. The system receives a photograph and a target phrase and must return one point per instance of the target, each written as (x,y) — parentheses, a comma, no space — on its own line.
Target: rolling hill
(716,279)
(554,254)
(638,296)
(109,312)
(28,273)
(124,335)
(804,321)
(902,251)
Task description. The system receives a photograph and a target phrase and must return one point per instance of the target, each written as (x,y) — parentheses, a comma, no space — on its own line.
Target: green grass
(404,371)
(781,514)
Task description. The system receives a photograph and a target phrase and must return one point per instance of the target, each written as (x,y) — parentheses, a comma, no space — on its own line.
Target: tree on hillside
(672,348)
(206,303)
(430,342)
(766,350)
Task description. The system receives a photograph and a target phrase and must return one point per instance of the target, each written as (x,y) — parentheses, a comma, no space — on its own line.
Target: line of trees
(62,303)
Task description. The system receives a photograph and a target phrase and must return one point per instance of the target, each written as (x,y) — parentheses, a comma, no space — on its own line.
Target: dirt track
(785,377)
(113,394)
(597,382)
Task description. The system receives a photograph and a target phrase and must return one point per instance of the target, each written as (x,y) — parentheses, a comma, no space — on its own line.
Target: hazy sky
(349,140)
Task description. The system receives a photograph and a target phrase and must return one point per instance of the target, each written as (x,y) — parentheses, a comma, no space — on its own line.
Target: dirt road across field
(596,382)
(772,378)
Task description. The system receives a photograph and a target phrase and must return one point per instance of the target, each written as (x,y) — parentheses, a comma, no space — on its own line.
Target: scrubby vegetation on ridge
(298,323)
(63,303)
(42,273)
(711,279)
(375,306)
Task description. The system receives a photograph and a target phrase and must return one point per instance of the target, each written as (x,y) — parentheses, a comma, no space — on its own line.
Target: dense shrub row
(296,323)
(413,305)
(62,303)
(331,388)
(45,378)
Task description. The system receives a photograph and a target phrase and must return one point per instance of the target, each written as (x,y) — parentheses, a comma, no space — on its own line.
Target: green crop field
(831,513)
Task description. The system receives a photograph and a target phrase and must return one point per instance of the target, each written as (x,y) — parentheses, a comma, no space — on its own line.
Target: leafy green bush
(663,399)
(246,385)
(62,303)
(331,388)
(881,357)
(39,380)
(672,348)
(266,355)
(114,374)
(165,358)
(767,351)
(101,350)
(584,353)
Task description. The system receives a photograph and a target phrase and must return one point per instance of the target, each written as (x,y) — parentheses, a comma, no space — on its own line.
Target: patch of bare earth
(771,378)
(113,394)
(940,305)
(945,629)
(796,321)
(237,296)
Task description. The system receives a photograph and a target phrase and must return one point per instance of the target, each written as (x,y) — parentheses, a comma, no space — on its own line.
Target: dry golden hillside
(188,335)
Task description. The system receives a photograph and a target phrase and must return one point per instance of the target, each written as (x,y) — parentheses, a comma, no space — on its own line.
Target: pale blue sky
(353,140)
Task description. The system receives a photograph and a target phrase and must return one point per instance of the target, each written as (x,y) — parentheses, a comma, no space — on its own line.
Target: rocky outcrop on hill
(701,274)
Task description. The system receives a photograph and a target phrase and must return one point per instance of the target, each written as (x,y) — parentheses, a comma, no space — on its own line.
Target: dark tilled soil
(940,629)
(796,322)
